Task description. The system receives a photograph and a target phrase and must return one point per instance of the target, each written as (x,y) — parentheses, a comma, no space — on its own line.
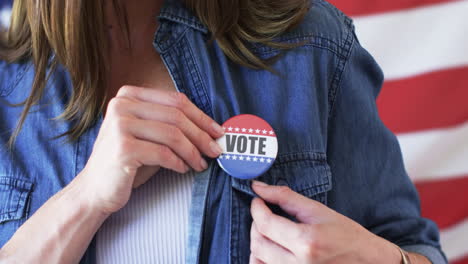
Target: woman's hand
(322,235)
(143,130)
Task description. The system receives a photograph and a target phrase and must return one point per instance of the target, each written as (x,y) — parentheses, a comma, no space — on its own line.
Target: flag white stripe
(416,41)
(436,154)
(454,241)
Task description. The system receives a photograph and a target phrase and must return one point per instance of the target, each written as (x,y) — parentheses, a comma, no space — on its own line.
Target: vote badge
(249,147)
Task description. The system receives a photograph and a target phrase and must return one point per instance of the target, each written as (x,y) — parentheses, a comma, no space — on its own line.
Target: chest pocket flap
(14,198)
(306,173)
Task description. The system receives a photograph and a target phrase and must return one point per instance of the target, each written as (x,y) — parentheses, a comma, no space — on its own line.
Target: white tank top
(153,226)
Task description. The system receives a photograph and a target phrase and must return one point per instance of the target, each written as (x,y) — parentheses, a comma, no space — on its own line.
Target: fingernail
(218,128)
(216,148)
(204,164)
(259,183)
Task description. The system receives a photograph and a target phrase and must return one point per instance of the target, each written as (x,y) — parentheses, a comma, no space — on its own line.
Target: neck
(143,12)
(130,22)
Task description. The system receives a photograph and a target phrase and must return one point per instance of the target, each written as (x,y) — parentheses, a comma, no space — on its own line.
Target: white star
(251,130)
(243,130)
(257,131)
(271,132)
(241,157)
(264,131)
(228,157)
(262,160)
(230,128)
(221,157)
(234,157)
(255,159)
(268,160)
(248,158)
(237,129)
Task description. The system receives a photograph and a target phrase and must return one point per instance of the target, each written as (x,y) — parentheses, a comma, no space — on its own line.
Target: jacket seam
(179,19)
(338,75)
(18,77)
(165,46)
(310,41)
(196,76)
(24,188)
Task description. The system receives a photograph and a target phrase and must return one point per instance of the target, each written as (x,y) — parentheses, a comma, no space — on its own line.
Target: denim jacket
(332,146)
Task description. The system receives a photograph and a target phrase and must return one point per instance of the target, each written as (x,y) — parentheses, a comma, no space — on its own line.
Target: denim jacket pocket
(306,173)
(14,198)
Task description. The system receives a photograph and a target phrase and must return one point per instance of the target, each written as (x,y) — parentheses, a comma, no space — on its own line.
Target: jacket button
(282,182)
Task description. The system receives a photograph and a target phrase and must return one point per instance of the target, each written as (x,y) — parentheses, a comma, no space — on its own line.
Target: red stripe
(445,201)
(367,7)
(462,261)
(433,100)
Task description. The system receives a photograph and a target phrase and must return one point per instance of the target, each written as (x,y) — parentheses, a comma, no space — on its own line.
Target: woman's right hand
(145,129)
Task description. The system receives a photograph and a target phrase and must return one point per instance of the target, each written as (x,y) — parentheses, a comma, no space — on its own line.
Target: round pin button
(249,147)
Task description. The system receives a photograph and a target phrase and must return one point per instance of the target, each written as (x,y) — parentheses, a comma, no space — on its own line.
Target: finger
(302,208)
(277,228)
(170,115)
(151,154)
(170,136)
(254,260)
(178,100)
(144,174)
(266,250)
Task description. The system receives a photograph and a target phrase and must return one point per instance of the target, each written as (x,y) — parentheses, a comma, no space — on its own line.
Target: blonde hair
(74,33)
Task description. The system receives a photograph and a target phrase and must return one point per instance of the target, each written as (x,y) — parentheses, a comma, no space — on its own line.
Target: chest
(143,68)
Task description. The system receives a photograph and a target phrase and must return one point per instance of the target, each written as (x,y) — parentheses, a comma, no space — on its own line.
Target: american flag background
(422,46)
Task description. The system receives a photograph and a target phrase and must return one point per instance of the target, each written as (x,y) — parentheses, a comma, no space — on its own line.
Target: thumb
(302,208)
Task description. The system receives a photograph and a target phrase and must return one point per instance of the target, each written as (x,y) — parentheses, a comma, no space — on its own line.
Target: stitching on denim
(314,190)
(311,159)
(12,85)
(166,46)
(311,40)
(21,184)
(174,71)
(18,78)
(337,79)
(22,187)
(303,156)
(234,241)
(191,23)
(21,200)
(200,87)
(188,92)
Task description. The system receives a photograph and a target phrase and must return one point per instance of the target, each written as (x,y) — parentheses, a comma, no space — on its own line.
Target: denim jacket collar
(176,11)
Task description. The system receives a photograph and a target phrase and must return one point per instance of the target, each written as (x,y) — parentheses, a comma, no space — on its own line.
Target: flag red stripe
(367,7)
(433,100)
(443,201)
(462,261)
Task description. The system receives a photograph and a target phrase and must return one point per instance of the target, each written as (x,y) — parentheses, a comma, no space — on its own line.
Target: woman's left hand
(322,235)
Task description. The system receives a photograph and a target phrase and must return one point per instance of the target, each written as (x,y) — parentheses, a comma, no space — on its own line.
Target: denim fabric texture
(333,146)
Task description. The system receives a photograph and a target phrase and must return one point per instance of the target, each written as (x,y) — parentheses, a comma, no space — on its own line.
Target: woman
(144,108)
